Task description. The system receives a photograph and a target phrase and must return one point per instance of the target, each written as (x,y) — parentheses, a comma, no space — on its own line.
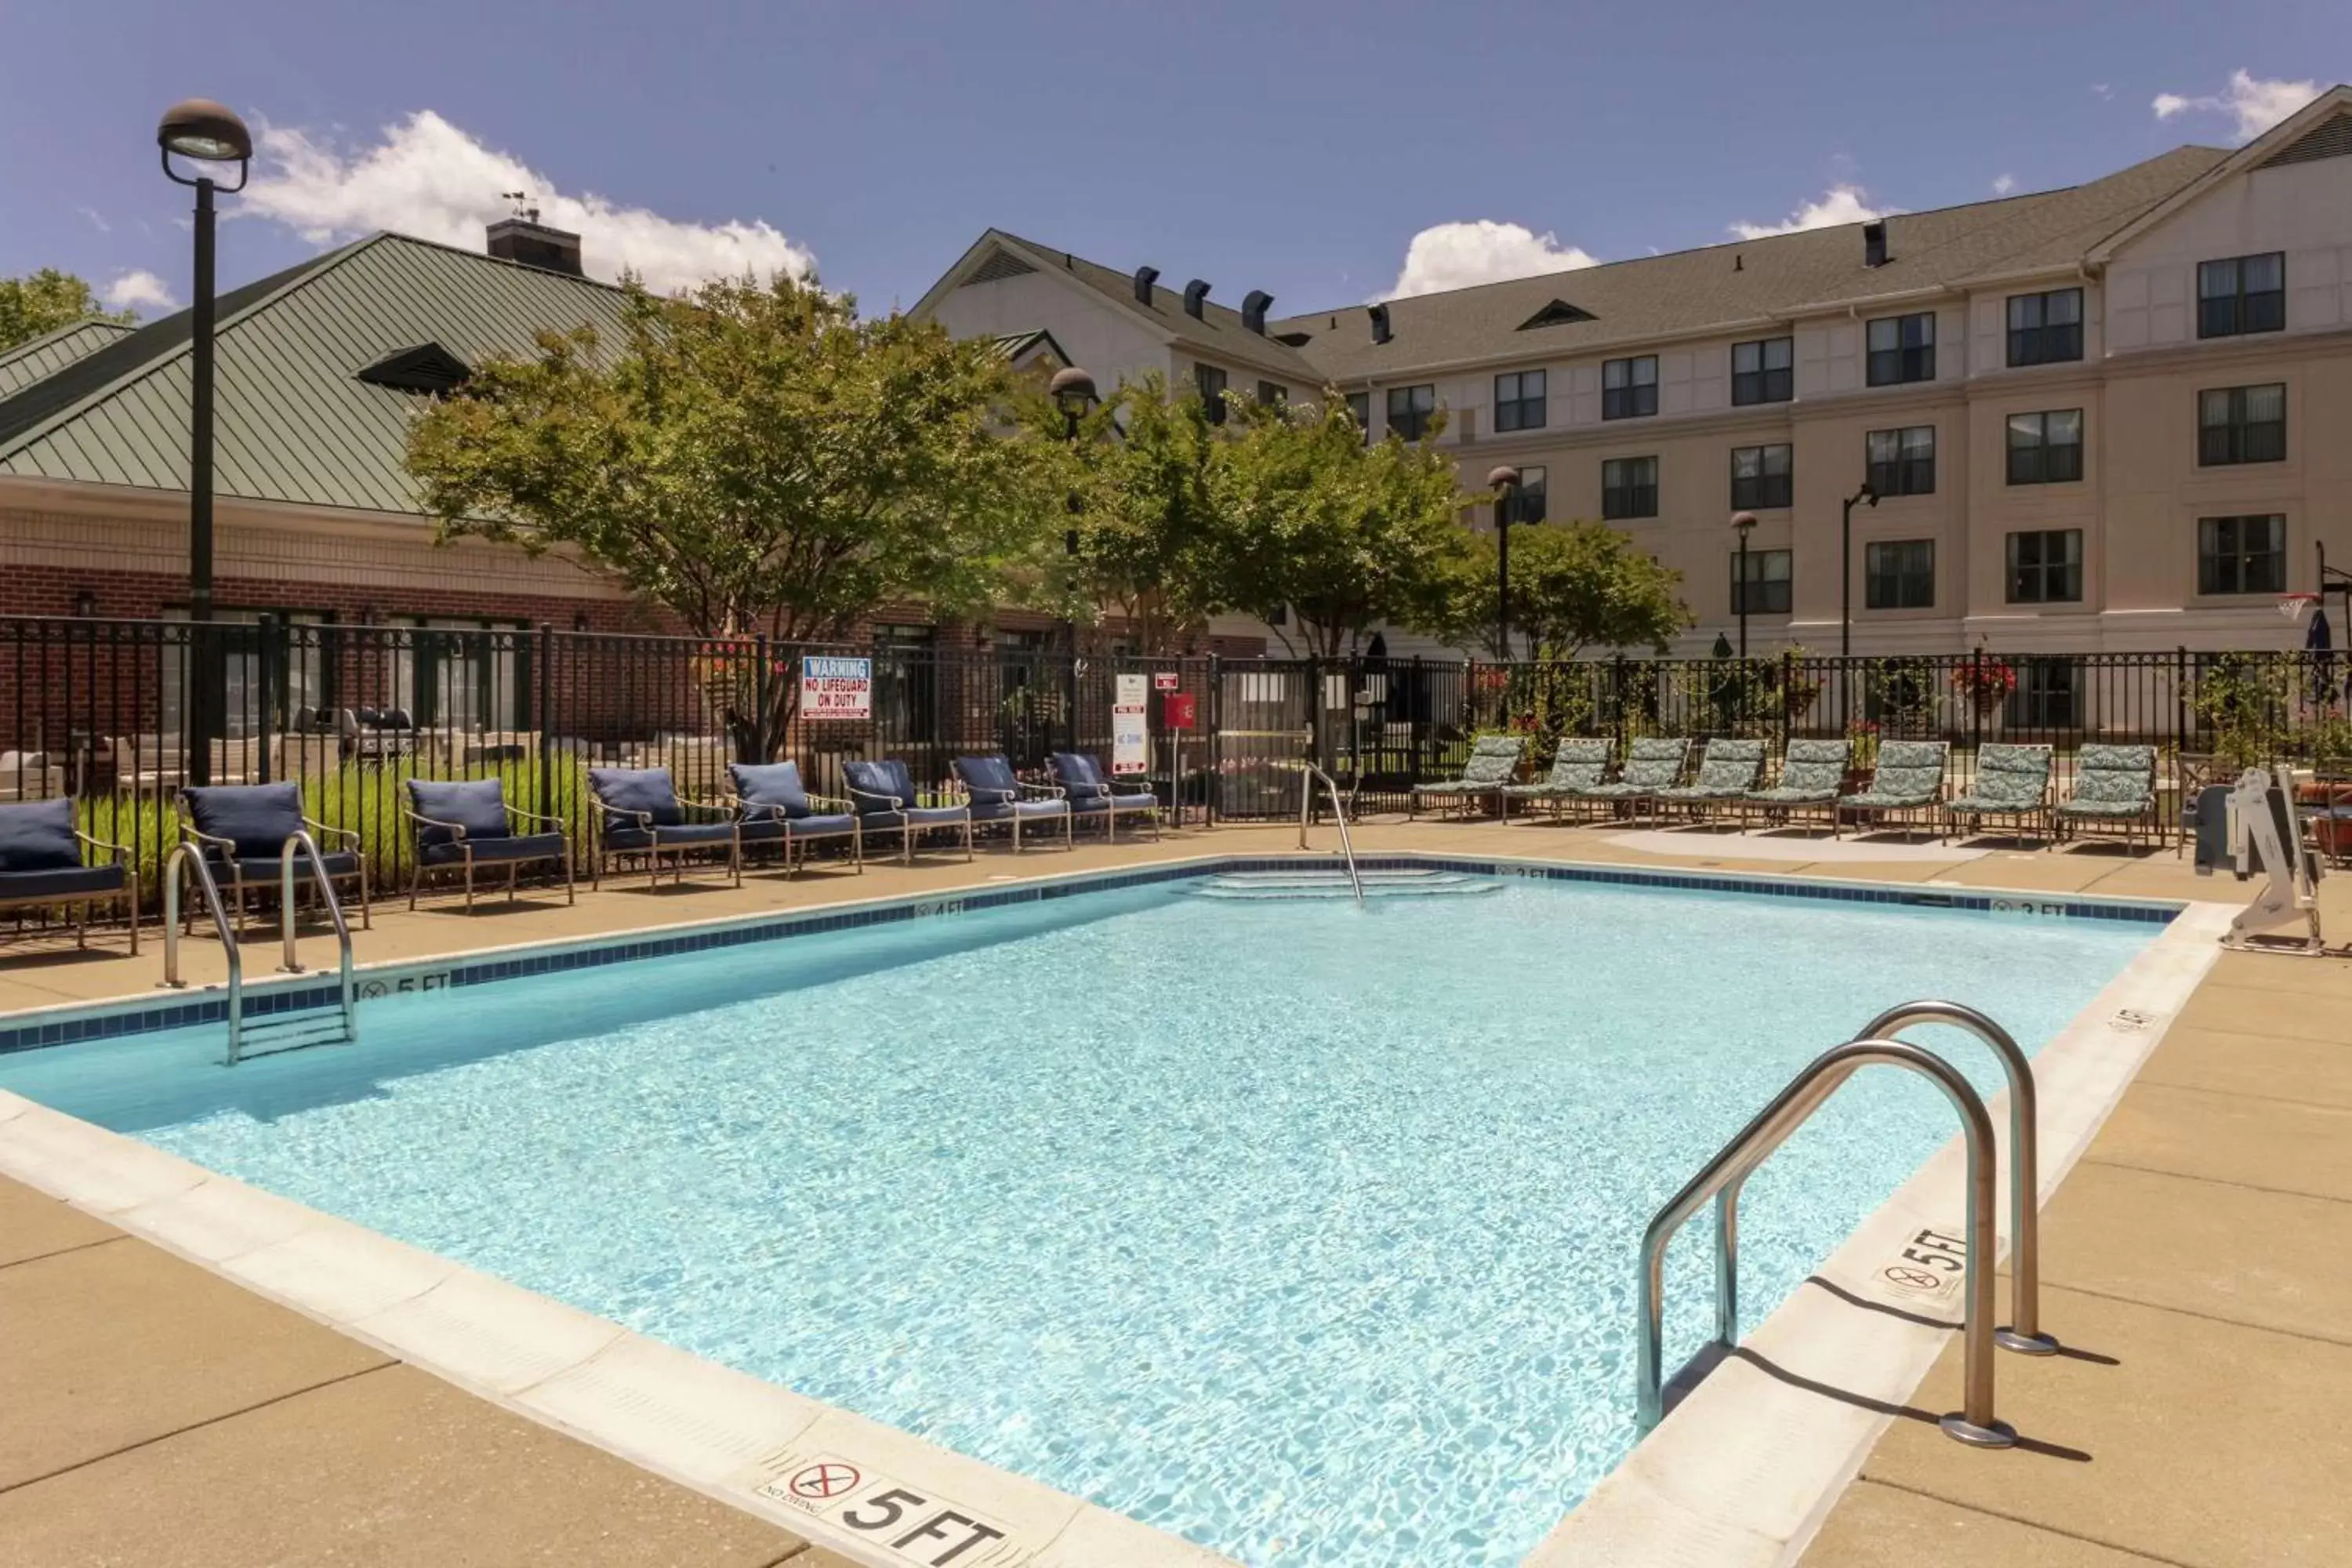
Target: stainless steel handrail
(1339,815)
(293,965)
(190,856)
(2022,1333)
(1720,1179)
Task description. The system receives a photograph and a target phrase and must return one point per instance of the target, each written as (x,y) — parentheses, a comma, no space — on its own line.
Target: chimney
(534,244)
(1379,315)
(1143,276)
(1196,292)
(1253,306)
(1874,244)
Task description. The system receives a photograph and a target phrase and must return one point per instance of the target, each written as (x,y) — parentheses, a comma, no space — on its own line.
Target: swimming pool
(1306,1233)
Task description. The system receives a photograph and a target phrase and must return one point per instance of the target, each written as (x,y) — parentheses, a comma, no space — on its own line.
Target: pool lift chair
(2254,824)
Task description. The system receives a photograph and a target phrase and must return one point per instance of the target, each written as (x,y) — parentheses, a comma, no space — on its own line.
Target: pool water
(1307,1233)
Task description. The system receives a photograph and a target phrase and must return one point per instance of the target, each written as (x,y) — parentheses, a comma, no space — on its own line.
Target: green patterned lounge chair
(1811,774)
(1578,765)
(1728,770)
(2115,792)
(1652,765)
(1492,759)
(2012,784)
(1909,780)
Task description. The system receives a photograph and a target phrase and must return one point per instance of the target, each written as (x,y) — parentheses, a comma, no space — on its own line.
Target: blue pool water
(1305,1232)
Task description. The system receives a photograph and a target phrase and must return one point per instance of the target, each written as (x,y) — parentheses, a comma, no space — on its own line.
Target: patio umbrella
(2318,641)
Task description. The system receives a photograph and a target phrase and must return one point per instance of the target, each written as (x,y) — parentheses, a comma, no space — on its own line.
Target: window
(1903,462)
(2241,425)
(1360,409)
(2241,554)
(1519,401)
(2045,695)
(1211,383)
(1527,504)
(2046,567)
(1761,370)
(1766,591)
(1760,476)
(2046,448)
(2244,294)
(1410,410)
(1629,388)
(1629,487)
(1899,574)
(1273,392)
(1903,348)
(2045,329)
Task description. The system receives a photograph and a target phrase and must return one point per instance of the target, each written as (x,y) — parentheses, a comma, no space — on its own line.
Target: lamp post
(1503,481)
(1742,524)
(202,131)
(1846,567)
(1072,390)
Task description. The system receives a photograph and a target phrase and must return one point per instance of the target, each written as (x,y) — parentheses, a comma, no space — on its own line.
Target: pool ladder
(1339,815)
(1722,1177)
(292,1031)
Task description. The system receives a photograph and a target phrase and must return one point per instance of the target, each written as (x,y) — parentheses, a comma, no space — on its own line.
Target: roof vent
(1558,313)
(1379,315)
(1874,244)
(998,268)
(1296,340)
(2330,139)
(1253,306)
(1143,278)
(426,367)
(533,244)
(1196,293)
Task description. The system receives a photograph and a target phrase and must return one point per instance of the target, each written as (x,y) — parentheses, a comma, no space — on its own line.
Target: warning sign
(836,688)
(1165,680)
(1131,728)
(826,1479)
(914,1524)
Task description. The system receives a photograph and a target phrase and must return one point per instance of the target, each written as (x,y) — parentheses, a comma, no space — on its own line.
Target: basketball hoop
(2293,605)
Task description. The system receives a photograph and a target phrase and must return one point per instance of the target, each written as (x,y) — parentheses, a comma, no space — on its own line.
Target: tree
(1574,586)
(45,301)
(1342,535)
(758,459)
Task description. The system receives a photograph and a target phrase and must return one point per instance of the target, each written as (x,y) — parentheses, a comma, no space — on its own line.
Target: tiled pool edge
(69,1023)
(1747,1468)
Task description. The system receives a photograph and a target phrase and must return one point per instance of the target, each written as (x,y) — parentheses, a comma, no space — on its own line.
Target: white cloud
(428,178)
(2102,89)
(2258,102)
(97,219)
(1839,204)
(1458,255)
(139,289)
(2004,184)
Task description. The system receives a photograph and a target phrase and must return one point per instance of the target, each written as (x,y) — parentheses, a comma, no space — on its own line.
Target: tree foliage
(45,301)
(1575,586)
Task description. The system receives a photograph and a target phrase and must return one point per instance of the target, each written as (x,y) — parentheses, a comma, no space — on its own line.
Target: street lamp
(1503,481)
(1072,390)
(1846,567)
(203,131)
(1743,523)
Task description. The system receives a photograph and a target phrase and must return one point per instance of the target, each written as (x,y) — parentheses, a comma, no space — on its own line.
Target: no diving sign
(914,1524)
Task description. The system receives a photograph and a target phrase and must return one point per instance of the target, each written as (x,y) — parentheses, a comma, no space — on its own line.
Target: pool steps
(1408,883)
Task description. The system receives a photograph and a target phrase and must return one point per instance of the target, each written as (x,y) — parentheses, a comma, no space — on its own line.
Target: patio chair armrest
(1116,788)
(988,794)
(726,809)
(208,840)
(1083,789)
(881,801)
(122,851)
(1045,791)
(832,800)
(457,829)
(321,830)
(534,816)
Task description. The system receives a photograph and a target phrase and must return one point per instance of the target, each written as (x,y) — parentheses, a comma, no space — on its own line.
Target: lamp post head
(1867,493)
(1071,389)
(1743,522)
(200,129)
(1503,479)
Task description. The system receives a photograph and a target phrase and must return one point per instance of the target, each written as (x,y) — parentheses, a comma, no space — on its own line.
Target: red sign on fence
(1178,710)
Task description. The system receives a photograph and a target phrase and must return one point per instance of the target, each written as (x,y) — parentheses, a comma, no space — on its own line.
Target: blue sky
(1296,148)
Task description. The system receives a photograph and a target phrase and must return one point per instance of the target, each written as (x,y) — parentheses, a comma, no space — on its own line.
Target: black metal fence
(121,714)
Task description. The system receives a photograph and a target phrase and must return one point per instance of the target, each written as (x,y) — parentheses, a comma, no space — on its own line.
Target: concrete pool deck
(2186,1248)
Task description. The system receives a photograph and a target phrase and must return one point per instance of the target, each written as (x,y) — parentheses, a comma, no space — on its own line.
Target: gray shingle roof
(31,359)
(1746,282)
(294,423)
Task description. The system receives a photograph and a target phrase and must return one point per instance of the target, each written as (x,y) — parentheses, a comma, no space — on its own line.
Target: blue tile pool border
(106,1020)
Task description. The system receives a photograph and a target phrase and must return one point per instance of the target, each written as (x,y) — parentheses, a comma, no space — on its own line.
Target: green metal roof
(31,359)
(292,421)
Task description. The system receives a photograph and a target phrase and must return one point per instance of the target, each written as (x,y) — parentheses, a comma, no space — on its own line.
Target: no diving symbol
(821,1481)
(1909,1279)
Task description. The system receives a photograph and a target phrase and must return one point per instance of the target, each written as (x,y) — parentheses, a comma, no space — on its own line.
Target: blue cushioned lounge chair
(1091,795)
(772,806)
(242,832)
(461,824)
(638,813)
(996,795)
(41,864)
(886,800)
